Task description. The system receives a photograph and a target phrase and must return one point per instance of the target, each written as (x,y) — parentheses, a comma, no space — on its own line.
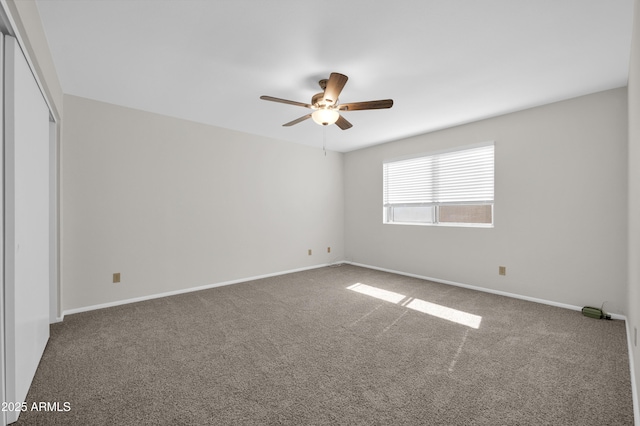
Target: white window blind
(464,177)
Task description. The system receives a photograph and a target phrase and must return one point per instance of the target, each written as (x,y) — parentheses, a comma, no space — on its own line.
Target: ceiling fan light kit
(325,104)
(325,116)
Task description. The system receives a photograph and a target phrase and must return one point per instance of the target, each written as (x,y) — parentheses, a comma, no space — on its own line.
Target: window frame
(388,209)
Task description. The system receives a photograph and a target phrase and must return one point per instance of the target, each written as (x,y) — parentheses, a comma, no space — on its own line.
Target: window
(449,188)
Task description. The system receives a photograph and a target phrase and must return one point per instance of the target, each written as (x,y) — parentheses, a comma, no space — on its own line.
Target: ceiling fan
(325,104)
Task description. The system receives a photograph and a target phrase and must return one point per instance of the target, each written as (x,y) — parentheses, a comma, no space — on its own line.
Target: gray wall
(560,209)
(172,204)
(633,309)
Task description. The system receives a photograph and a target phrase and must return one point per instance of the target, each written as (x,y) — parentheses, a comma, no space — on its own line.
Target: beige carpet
(304,349)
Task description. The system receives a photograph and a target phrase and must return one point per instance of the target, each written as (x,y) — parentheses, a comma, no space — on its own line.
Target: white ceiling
(443,62)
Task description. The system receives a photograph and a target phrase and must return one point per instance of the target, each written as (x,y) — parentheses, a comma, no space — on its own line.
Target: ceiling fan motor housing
(318,99)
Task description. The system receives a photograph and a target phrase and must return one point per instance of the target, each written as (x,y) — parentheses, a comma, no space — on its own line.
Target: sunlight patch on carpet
(433,309)
(378,293)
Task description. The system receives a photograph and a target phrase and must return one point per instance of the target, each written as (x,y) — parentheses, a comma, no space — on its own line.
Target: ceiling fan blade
(297,120)
(284,101)
(358,106)
(334,87)
(343,123)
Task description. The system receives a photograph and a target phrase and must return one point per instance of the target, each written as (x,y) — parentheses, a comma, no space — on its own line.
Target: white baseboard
(257,277)
(182,291)
(634,388)
(483,289)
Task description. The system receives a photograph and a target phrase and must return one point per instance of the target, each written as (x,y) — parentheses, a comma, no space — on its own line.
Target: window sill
(445,225)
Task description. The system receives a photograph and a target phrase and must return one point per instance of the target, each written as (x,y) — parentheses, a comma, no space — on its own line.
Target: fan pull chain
(324,140)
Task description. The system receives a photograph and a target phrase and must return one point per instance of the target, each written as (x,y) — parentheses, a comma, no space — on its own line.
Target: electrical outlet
(328,249)
(309,252)
(502,270)
(116,277)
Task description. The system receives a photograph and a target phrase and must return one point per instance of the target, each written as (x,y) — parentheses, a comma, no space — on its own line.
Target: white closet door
(26,187)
